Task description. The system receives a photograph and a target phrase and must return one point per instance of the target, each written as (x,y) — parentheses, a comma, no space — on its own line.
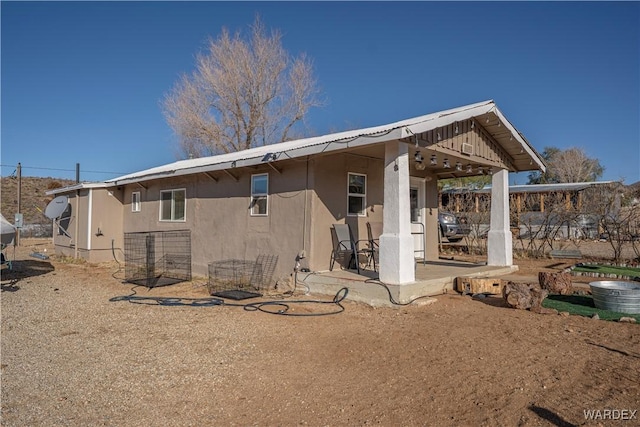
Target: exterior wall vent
(467,149)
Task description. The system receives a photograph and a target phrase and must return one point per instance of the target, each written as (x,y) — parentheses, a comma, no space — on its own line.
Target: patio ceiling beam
(235,178)
(211,176)
(274,168)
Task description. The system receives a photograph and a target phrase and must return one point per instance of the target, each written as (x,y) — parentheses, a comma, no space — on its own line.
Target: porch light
(456,129)
(469,168)
(446,164)
(419,161)
(434,160)
(473,124)
(439,137)
(480,170)
(458,166)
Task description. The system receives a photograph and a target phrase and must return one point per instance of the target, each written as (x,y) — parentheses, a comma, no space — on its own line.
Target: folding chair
(373,234)
(346,246)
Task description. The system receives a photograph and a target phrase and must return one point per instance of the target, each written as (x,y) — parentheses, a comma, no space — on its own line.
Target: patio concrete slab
(432,278)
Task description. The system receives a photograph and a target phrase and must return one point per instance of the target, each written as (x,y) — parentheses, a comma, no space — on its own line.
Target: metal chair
(346,246)
(373,234)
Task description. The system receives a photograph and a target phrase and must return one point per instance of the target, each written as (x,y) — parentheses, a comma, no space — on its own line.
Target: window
(135,201)
(172,205)
(357,195)
(259,194)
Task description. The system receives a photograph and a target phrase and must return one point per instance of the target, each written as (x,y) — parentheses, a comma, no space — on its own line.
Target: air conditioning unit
(467,149)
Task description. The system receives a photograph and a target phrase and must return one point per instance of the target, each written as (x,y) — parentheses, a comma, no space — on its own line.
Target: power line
(63,170)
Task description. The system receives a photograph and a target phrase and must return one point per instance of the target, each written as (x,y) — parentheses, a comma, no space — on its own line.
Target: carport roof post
(396,242)
(499,239)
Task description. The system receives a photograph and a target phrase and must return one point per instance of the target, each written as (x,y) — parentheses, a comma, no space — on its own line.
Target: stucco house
(284,198)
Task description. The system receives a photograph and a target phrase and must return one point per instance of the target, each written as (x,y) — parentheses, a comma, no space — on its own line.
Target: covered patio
(464,142)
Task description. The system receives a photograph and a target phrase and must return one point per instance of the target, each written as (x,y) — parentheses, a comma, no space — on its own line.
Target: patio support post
(397,265)
(500,243)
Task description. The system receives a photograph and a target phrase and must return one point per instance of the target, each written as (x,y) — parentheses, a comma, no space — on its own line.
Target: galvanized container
(622,297)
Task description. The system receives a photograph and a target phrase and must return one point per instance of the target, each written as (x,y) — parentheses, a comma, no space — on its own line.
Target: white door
(417,215)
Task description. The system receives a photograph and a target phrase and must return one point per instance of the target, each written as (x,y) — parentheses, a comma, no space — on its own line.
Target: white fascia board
(74,187)
(518,137)
(465,113)
(255,156)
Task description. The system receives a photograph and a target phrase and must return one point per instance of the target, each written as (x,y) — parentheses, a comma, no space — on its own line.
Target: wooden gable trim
(466,139)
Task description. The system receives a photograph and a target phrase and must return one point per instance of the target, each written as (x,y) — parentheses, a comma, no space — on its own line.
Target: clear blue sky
(82,81)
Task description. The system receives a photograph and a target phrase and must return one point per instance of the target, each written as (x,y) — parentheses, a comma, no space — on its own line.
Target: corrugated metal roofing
(336,141)
(538,188)
(80,186)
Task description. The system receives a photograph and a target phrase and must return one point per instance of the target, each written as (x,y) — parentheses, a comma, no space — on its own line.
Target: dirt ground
(76,352)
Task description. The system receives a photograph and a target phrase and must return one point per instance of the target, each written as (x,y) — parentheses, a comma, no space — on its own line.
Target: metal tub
(623,297)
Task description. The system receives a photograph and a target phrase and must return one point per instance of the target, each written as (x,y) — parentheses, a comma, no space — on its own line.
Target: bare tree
(242,94)
(571,165)
(541,228)
(618,217)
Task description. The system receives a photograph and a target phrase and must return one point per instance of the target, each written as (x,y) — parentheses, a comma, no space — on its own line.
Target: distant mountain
(34,199)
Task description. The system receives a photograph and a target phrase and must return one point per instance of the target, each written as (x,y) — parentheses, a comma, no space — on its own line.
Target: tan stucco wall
(329,201)
(218,215)
(106,214)
(305,199)
(106,225)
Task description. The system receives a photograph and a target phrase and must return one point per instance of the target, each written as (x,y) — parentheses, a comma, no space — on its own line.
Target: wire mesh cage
(157,258)
(240,279)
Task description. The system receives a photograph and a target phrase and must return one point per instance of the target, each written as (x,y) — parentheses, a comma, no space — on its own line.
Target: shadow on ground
(22,269)
(550,416)
(492,300)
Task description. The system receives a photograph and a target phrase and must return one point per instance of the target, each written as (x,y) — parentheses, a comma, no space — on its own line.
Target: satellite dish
(7,230)
(56,207)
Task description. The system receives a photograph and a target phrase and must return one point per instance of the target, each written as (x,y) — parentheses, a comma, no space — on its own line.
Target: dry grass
(76,353)
(34,200)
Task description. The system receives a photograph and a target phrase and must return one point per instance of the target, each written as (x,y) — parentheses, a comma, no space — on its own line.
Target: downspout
(306,201)
(89,215)
(75,246)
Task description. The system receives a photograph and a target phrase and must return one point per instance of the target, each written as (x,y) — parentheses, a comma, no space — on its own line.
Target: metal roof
(516,145)
(79,186)
(537,188)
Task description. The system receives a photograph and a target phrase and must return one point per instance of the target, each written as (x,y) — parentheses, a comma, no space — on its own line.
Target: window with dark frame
(356,194)
(172,205)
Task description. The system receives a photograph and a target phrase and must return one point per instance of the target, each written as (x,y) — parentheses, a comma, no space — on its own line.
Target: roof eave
(80,186)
